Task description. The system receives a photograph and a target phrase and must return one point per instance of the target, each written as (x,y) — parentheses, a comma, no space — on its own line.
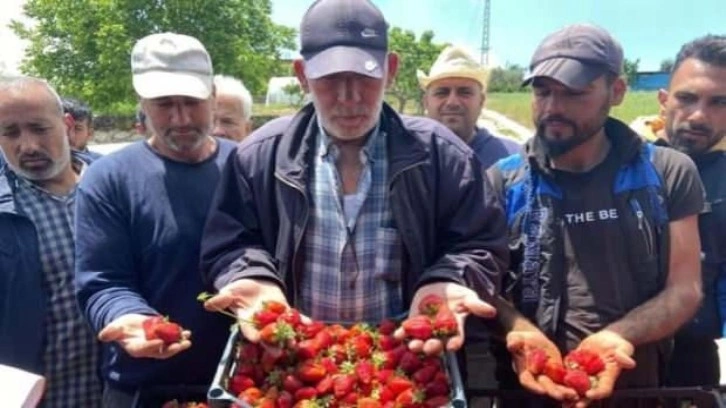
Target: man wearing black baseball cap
(347,210)
(603,226)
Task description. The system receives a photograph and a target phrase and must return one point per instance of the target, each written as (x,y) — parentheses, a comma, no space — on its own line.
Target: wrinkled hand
(128,332)
(518,344)
(243,298)
(617,354)
(461,300)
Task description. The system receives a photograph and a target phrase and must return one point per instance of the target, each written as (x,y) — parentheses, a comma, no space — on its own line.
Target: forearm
(659,317)
(107,305)
(510,319)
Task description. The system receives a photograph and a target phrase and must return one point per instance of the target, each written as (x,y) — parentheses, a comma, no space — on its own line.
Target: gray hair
(227,85)
(16,84)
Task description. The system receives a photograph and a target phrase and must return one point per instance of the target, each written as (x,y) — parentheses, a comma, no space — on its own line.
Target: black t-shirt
(600,285)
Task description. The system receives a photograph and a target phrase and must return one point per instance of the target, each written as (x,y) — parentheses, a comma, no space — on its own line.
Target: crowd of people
(585,237)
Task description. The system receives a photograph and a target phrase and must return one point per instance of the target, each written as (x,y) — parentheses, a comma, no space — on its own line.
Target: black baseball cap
(576,55)
(344,35)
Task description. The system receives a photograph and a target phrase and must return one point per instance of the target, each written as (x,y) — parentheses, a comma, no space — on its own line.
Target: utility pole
(485,33)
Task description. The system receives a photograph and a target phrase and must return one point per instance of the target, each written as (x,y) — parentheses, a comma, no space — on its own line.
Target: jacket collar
(7,182)
(624,141)
(297,144)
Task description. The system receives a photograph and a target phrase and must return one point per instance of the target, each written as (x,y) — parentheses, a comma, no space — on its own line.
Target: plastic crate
(155,397)
(218,396)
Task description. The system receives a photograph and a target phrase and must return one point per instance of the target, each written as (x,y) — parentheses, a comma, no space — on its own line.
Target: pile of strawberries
(579,371)
(329,365)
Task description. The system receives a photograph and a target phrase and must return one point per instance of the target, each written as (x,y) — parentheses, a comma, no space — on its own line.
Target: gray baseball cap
(576,55)
(344,36)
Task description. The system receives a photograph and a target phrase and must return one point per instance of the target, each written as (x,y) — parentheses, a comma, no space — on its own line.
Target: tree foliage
(630,69)
(506,79)
(83,47)
(415,53)
(667,65)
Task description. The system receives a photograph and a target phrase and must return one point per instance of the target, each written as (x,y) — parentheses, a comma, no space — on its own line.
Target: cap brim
(475,75)
(343,58)
(570,72)
(157,84)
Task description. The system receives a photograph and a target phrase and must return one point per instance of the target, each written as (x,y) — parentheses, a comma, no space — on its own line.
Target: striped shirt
(71,351)
(352,267)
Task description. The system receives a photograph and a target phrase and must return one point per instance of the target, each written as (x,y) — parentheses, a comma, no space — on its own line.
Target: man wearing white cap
(139,220)
(454,94)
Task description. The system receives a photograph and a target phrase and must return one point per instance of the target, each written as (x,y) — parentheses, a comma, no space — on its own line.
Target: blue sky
(651,30)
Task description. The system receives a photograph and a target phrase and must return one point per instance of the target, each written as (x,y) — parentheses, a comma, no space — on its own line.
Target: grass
(516,106)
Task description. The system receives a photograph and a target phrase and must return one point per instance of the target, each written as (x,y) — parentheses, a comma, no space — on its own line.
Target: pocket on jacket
(389,250)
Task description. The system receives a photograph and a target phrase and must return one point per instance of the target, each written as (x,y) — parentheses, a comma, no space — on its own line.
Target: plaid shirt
(71,351)
(352,267)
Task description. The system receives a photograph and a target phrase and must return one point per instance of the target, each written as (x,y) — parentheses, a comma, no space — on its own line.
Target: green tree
(667,65)
(506,79)
(83,46)
(414,54)
(630,69)
(295,92)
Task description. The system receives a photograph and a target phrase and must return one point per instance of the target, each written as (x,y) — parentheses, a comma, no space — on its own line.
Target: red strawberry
(277,334)
(285,400)
(418,327)
(383,375)
(585,360)
(168,332)
(311,372)
(274,306)
(409,362)
(536,359)
(397,384)
(307,349)
(262,318)
(437,387)
(343,384)
(386,327)
(555,371)
(349,399)
(308,331)
(148,325)
(251,395)
(409,398)
(292,317)
(239,383)
(330,366)
(424,374)
(437,402)
(365,371)
(249,352)
(325,385)
(384,394)
(290,383)
(324,339)
(305,393)
(577,380)
(430,305)
(387,342)
(445,324)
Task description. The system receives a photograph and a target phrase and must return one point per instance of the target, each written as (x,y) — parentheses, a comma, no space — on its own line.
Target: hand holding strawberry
(538,363)
(616,352)
(128,331)
(459,300)
(244,298)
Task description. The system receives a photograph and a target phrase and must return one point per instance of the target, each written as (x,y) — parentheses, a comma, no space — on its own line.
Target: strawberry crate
(219,395)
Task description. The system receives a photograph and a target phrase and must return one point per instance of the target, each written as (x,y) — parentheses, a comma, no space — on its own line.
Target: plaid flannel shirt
(352,267)
(71,350)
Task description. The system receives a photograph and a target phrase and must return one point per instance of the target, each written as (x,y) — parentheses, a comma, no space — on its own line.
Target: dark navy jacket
(22,295)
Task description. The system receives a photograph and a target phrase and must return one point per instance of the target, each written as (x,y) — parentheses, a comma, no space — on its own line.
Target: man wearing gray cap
(139,219)
(603,226)
(347,210)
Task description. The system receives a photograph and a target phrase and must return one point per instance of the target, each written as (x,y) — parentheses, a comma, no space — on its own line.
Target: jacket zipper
(643,225)
(298,239)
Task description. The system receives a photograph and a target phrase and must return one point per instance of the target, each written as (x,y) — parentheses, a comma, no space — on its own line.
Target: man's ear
(299,67)
(619,87)
(392,62)
(662,100)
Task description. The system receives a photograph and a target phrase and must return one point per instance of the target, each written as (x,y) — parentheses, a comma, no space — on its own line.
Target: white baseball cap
(454,62)
(169,64)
